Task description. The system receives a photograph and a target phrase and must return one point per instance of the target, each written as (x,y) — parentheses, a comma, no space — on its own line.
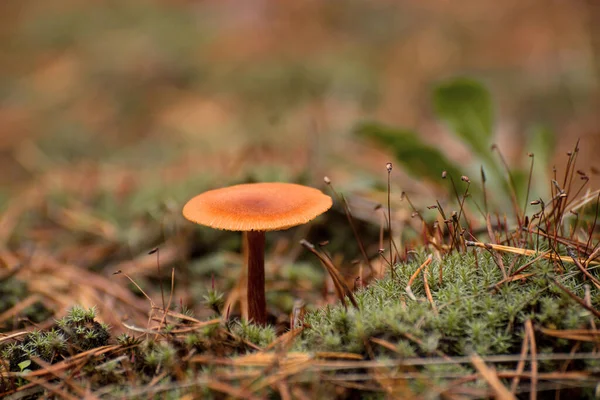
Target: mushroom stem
(257,305)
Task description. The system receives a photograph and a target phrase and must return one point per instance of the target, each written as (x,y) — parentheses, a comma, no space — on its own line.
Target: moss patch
(471,315)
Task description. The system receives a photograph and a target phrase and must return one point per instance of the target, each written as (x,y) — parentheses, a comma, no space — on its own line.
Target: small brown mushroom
(256,208)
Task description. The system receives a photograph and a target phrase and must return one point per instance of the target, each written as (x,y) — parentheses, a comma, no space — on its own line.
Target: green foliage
(466,106)
(416,157)
(23,365)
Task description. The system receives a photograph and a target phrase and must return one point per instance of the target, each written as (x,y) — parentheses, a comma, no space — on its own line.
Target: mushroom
(255,208)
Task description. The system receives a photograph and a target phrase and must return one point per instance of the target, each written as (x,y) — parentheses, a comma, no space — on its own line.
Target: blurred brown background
(178,87)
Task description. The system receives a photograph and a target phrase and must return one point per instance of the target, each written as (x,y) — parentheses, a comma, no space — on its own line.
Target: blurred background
(113,113)
(172,88)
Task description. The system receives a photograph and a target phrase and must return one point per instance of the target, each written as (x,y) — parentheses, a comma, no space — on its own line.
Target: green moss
(471,315)
(74,333)
(260,336)
(214,300)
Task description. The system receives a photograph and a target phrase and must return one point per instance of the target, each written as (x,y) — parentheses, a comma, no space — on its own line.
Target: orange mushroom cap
(257,206)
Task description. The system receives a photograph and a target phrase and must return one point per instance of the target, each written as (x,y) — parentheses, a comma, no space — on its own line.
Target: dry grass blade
(197,326)
(229,390)
(414,276)
(12,336)
(534,363)
(520,364)
(523,252)
(574,375)
(583,335)
(281,373)
(428,290)
(296,356)
(266,359)
(285,339)
(588,300)
(385,343)
(336,355)
(595,254)
(491,378)
(342,288)
(177,315)
(416,361)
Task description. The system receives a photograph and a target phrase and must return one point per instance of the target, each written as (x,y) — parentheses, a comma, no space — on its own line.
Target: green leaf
(24,364)
(418,158)
(466,107)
